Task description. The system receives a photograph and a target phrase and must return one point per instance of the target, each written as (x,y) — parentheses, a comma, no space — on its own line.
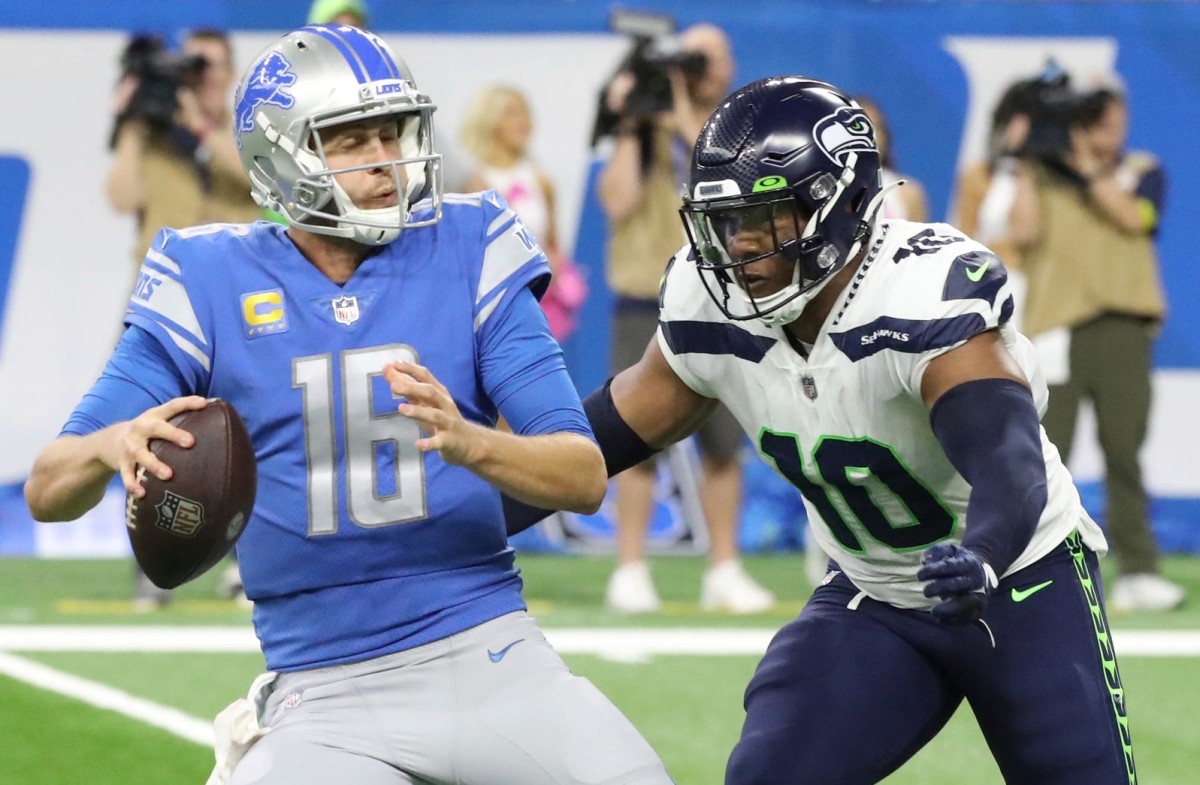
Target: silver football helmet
(315,78)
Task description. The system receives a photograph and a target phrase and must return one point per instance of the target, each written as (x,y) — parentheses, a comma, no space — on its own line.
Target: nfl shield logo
(345,309)
(179,515)
(809,385)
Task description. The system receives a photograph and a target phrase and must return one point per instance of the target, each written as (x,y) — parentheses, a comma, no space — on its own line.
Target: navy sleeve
(139,375)
(989,429)
(619,444)
(523,371)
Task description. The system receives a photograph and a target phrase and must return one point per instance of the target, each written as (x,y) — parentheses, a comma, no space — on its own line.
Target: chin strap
(877,202)
(871,218)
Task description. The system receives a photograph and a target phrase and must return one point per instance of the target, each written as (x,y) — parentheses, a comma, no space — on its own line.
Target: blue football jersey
(359,545)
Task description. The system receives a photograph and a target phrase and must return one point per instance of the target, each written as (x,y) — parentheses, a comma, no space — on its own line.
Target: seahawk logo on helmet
(309,82)
(845,131)
(792,163)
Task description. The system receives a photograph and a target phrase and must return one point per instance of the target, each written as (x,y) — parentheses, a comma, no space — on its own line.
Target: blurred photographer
(986,194)
(653,110)
(1094,304)
(175,163)
(174,160)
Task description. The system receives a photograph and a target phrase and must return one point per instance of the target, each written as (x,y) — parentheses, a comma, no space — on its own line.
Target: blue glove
(959,578)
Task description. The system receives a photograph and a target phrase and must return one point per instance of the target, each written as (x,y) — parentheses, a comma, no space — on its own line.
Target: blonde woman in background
(496,132)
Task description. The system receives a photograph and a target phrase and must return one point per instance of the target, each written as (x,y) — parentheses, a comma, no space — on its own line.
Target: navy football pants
(844,697)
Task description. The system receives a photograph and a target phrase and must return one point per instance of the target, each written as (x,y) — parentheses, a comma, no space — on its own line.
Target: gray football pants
(494,705)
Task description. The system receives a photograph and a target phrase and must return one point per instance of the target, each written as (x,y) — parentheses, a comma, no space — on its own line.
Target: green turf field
(688,706)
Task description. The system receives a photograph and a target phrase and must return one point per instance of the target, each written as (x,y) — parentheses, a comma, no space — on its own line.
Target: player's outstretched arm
(983,414)
(69,476)
(559,470)
(656,404)
(638,412)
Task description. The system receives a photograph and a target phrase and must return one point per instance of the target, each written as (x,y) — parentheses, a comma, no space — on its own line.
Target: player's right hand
(124,93)
(131,444)
(430,403)
(618,91)
(959,578)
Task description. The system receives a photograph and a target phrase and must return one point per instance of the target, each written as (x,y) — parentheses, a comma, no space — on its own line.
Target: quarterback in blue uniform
(371,347)
(874,364)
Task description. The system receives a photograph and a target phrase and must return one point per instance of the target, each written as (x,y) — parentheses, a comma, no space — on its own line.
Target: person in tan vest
(184,171)
(639,189)
(985,194)
(1094,305)
(175,163)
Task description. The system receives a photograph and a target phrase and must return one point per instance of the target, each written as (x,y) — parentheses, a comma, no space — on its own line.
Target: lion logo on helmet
(845,131)
(266,84)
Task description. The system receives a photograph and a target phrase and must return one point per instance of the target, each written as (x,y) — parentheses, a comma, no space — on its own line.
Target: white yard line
(104,697)
(621,644)
(117,638)
(614,642)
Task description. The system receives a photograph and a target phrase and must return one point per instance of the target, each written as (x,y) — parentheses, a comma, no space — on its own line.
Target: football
(185,525)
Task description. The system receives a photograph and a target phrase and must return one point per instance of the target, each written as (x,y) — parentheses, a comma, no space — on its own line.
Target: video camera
(160,74)
(656,50)
(1054,107)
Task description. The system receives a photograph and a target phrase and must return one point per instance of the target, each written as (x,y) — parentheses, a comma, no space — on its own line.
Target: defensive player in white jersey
(872,362)
(385,595)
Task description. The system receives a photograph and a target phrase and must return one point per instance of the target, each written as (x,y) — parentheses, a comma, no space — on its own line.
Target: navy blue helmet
(793,160)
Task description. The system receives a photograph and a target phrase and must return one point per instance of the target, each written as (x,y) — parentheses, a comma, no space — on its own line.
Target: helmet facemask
(319,204)
(813,224)
(287,106)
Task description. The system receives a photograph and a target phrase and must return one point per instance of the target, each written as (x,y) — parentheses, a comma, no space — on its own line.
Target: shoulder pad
(681,294)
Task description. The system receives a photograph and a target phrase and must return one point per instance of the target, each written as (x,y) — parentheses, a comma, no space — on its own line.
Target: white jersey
(847,425)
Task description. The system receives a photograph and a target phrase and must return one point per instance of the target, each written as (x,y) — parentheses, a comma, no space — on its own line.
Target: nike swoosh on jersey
(976,273)
(496,656)
(1020,595)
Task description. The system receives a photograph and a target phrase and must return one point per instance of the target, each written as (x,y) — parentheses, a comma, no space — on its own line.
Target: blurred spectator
(338,12)
(908,201)
(1094,306)
(496,132)
(639,189)
(175,163)
(987,191)
(174,160)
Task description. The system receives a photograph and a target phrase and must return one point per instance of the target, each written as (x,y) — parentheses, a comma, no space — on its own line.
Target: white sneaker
(728,587)
(146,596)
(631,590)
(1145,591)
